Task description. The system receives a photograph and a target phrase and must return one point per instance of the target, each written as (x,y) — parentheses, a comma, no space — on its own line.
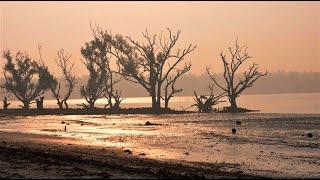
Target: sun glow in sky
(279,35)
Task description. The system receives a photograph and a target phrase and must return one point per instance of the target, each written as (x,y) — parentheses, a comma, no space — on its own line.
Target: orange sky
(279,35)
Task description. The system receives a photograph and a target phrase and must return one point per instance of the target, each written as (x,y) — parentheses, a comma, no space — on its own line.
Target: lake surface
(267,103)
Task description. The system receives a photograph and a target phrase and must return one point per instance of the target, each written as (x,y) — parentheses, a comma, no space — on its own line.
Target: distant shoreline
(106,111)
(80,111)
(49,98)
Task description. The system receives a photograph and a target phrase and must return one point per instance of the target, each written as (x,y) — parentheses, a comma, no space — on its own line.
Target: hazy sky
(279,35)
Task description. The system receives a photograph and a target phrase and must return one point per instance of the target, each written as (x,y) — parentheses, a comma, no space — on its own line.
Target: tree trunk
(153,86)
(154,98)
(110,100)
(26,105)
(66,104)
(233,104)
(166,103)
(111,91)
(116,105)
(154,103)
(91,105)
(5,103)
(40,103)
(60,104)
(159,97)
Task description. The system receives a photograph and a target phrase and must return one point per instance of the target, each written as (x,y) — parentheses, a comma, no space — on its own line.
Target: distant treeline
(274,83)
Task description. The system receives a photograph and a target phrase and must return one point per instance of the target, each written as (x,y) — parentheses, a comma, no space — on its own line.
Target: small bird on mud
(65,128)
(234,130)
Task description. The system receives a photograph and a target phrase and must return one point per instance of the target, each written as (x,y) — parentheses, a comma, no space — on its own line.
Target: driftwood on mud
(205,103)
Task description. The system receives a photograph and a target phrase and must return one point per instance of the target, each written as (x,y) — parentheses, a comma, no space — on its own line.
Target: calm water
(271,103)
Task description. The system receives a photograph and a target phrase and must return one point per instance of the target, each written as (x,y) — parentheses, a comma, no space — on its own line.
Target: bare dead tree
(205,103)
(63,62)
(233,89)
(151,63)
(169,88)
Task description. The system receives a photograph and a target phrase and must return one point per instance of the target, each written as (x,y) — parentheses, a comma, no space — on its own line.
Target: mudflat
(41,156)
(190,145)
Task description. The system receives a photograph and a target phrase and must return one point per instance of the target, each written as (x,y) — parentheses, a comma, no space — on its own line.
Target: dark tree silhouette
(63,62)
(95,87)
(25,78)
(205,103)
(101,77)
(238,55)
(151,63)
(104,41)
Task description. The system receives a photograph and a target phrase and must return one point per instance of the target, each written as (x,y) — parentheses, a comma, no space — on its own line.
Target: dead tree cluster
(156,64)
(25,78)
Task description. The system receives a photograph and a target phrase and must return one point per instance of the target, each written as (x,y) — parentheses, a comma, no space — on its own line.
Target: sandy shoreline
(41,156)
